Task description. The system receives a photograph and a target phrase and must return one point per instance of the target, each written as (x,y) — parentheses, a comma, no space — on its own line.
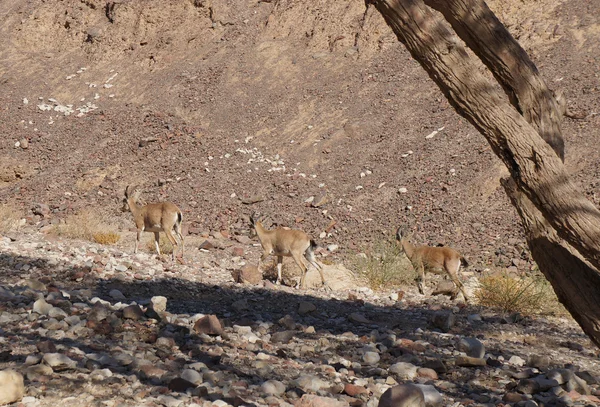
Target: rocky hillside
(311,108)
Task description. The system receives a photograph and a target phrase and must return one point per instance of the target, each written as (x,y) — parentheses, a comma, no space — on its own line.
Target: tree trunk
(574,280)
(534,166)
(474,22)
(485,35)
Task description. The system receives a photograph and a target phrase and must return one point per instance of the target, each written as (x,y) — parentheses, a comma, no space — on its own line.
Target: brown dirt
(206,103)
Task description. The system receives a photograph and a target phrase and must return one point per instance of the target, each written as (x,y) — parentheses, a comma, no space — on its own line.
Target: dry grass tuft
(89,225)
(384,266)
(10,218)
(525,295)
(108,238)
(163,243)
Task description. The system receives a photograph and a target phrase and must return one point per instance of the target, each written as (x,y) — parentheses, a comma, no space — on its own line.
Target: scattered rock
(472,347)
(444,320)
(248,274)
(12,387)
(209,325)
(404,395)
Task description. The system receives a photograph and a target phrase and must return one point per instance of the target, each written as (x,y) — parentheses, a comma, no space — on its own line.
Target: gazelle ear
(127,191)
(399,233)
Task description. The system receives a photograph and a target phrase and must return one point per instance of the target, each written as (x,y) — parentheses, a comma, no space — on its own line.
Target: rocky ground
(91,325)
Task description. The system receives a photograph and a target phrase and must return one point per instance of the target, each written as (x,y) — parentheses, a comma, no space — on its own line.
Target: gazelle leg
(279,267)
(137,240)
(173,242)
(156,242)
(262,258)
(457,282)
(300,263)
(180,237)
(310,257)
(421,278)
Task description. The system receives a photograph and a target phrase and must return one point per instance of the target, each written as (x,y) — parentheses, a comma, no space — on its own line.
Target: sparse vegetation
(526,295)
(163,243)
(384,266)
(10,218)
(89,225)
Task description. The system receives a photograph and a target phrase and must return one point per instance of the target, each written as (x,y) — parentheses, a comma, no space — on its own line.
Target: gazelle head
(255,220)
(400,235)
(130,193)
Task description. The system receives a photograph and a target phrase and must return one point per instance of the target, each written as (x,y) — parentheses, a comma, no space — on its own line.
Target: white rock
(12,387)
(273,387)
(404,370)
(371,358)
(42,307)
(516,360)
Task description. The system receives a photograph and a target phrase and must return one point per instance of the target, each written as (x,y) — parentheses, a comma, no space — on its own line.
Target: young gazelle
(154,217)
(437,260)
(289,243)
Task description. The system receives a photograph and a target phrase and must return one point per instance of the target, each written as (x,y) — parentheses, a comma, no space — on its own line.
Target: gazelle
(289,243)
(154,217)
(437,260)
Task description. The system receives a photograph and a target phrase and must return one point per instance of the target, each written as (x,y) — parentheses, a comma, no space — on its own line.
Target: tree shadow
(171,343)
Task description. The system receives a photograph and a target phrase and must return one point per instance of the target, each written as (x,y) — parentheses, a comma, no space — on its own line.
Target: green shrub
(526,295)
(384,266)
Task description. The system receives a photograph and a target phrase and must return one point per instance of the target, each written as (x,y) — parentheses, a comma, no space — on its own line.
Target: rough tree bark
(561,224)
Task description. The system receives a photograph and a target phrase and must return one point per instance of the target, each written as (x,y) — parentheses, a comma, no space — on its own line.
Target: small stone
(528,386)
(427,373)
(117,295)
(46,347)
(206,245)
(371,358)
(248,274)
(353,390)
(180,385)
(237,251)
(42,307)
(159,303)
(12,387)
(57,313)
(38,373)
(152,372)
(516,360)
(467,361)
(287,322)
(444,320)
(282,336)
(133,312)
(58,361)
(306,307)
(472,347)
(433,397)
(310,383)
(538,361)
(404,370)
(403,395)
(192,376)
(209,325)
(273,387)
(358,318)
(511,397)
